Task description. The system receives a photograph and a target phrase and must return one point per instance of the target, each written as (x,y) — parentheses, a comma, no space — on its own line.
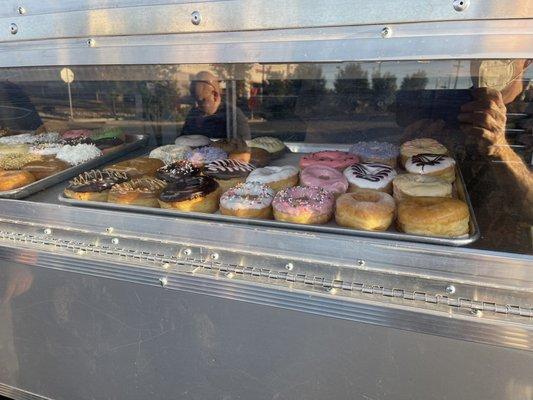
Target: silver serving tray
(132,142)
(331,227)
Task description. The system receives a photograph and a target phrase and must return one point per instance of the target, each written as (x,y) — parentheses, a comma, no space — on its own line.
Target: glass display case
(254,192)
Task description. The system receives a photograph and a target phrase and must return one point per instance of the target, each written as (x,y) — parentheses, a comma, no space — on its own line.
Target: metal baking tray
(132,142)
(331,227)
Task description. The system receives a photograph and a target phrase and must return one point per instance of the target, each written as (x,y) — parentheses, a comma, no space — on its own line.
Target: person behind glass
(210,114)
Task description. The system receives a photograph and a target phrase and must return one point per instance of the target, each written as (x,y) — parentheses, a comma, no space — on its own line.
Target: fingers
(487,93)
(487,120)
(483,105)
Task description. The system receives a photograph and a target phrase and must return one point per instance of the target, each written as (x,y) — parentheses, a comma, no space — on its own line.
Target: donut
(94,185)
(169,153)
(252,155)
(17,161)
(13,149)
(228,172)
(193,141)
(139,192)
(433,216)
(432,165)
(370,176)
(276,177)
(109,145)
(205,155)
(303,205)
(248,200)
(76,134)
(46,167)
(414,185)
(136,167)
(333,159)
(376,152)
(108,133)
(176,171)
(78,154)
(274,146)
(365,209)
(325,177)
(45,149)
(46,137)
(10,180)
(195,193)
(229,145)
(421,146)
(21,138)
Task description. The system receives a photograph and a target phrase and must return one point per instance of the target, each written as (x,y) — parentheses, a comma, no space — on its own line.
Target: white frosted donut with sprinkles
(248,200)
(370,176)
(78,154)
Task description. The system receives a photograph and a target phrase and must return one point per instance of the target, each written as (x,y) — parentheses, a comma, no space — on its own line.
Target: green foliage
(383,89)
(416,81)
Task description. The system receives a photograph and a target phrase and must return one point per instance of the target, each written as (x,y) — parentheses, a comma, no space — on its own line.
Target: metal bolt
(214,256)
(331,290)
(109,230)
(21,10)
(187,252)
(475,312)
(115,241)
(289,266)
(196,18)
(163,281)
(166,265)
(47,231)
(13,28)
(450,289)
(230,275)
(386,32)
(461,5)
(81,252)
(91,42)
(361,262)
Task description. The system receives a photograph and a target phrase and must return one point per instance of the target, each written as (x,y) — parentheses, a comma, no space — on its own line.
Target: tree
(383,89)
(351,86)
(416,81)
(308,83)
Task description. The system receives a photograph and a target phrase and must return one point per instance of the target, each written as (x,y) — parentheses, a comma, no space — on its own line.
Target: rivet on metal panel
(331,290)
(475,312)
(450,289)
(13,28)
(186,252)
(196,18)
(81,252)
(289,266)
(230,275)
(109,229)
(21,10)
(166,265)
(163,281)
(91,42)
(115,241)
(361,262)
(386,32)
(47,231)
(214,256)
(461,5)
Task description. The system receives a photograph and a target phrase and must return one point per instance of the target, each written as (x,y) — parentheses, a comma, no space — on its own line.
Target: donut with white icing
(78,154)
(274,146)
(228,172)
(248,200)
(370,176)
(192,141)
(170,153)
(277,178)
(421,146)
(432,165)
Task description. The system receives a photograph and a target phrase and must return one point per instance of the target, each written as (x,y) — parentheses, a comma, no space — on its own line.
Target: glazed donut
(78,154)
(94,185)
(176,171)
(170,153)
(10,180)
(136,167)
(46,167)
(324,177)
(17,161)
(432,165)
(376,152)
(205,155)
(248,200)
(276,177)
(139,192)
(195,193)
(421,146)
(274,146)
(433,216)
(365,209)
(228,172)
(193,141)
(252,155)
(339,160)
(370,176)
(303,205)
(6,149)
(414,185)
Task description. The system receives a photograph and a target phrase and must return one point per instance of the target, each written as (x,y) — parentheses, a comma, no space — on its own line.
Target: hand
(485,119)
(19,281)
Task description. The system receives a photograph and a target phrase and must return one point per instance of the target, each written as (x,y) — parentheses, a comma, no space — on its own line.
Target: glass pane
(479,110)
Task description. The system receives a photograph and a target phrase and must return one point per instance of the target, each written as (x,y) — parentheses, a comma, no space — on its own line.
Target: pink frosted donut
(76,133)
(324,177)
(303,205)
(333,159)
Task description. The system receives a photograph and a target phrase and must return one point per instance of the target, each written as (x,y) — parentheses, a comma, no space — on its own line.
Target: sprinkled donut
(170,153)
(248,200)
(376,152)
(176,171)
(205,155)
(303,205)
(78,154)
(333,159)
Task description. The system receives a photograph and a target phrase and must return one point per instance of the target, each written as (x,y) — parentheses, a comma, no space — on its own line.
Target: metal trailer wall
(132,306)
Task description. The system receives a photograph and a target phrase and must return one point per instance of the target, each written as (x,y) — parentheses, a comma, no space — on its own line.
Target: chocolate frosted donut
(188,188)
(96,181)
(177,171)
(228,169)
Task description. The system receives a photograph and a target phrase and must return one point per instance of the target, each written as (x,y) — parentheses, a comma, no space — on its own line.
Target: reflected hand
(19,281)
(485,118)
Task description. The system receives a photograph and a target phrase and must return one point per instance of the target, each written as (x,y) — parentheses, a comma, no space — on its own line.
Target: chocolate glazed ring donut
(94,185)
(195,193)
(176,171)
